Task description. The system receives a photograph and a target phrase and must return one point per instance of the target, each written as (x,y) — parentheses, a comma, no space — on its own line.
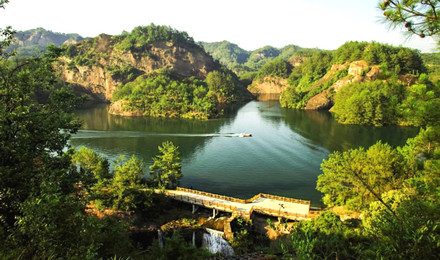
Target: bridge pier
(195,208)
(214,213)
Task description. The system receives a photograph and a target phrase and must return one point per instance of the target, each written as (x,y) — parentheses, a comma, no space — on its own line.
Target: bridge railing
(279,213)
(269,196)
(275,197)
(206,203)
(212,195)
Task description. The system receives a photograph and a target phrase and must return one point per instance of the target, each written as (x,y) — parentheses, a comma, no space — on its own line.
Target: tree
(127,188)
(92,167)
(276,67)
(417,226)
(326,237)
(420,17)
(167,167)
(35,124)
(42,213)
(225,85)
(374,103)
(356,178)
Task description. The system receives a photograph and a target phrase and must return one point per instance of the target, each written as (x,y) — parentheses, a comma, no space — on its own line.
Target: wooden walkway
(266,204)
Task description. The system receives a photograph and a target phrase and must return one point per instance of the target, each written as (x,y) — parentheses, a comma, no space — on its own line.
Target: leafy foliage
(127,189)
(30,132)
(160,95)
(422,103)
(167,167)
(225,85)
(177,248)
(140,38)
(397,191)
(42,212)
(228,54)
(310,77)
(369,103)
(382,103)
(326,237)
(276,68)
(94,169)
(405,59)
(123,189)
(298,96)
(357,177)
(418,17)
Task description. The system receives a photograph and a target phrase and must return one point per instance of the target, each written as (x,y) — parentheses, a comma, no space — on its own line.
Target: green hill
(242,61)
(152,71)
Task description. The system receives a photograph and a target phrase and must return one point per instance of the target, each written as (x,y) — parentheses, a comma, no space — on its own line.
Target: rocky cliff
(357,71)
(97,66)
(268,85)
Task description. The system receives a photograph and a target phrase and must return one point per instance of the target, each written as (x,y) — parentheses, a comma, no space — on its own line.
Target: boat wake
(89,134)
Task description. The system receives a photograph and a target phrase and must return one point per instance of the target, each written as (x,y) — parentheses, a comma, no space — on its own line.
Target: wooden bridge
(266,204)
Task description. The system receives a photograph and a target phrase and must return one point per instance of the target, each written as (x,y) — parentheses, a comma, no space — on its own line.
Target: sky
(252,24)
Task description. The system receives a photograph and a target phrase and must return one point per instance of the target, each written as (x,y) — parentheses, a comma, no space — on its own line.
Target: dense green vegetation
(432,61)
(140,37)
(247,63)
(169,91)
(41,212)
(138,42)
(395,189)
(376,102)
(45,190)
(160,94)
(167,167)
(419,17)
(275,68)
(382,103)
(228,54)
(369,103)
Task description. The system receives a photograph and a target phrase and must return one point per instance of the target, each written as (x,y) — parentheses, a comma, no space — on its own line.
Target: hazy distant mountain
(226,52)
(30,42)
(238,59)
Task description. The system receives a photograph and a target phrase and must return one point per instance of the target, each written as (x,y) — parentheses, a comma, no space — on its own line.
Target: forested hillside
(365,83)
(151,71)
(242,61)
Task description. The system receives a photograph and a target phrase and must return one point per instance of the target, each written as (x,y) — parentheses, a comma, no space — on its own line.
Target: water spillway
(215,243)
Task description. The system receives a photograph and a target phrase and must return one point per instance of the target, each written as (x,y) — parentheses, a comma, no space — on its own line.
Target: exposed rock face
(296,61)
(93,81)
(117,108)
(357,68)
(358,71)
(408,80)
(99,79)
(268,85)
(373,73)
(42,38)
(322,101)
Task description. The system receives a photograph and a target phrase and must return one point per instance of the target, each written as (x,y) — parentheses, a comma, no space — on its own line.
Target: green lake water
(282,157)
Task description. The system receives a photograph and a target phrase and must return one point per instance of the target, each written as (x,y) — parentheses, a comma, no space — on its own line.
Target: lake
(282,157)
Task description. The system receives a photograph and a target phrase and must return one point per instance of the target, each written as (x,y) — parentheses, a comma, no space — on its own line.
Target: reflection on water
(283,157)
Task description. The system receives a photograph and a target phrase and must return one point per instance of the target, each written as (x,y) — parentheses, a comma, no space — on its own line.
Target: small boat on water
(245,135)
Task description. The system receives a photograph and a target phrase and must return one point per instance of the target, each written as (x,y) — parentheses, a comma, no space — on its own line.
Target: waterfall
(214,242)
(160,238)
